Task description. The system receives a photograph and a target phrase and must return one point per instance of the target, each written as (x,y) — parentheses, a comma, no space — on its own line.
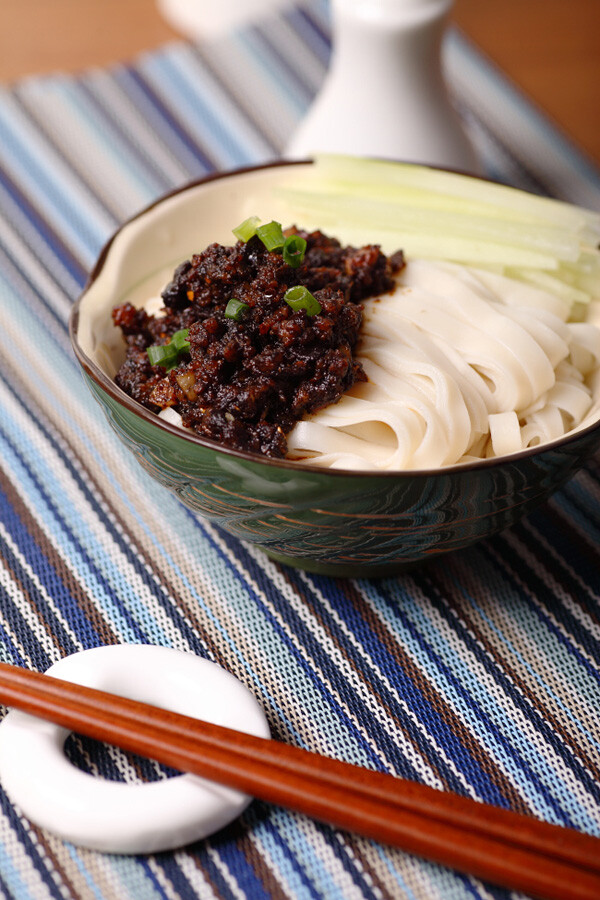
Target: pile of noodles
(462,364)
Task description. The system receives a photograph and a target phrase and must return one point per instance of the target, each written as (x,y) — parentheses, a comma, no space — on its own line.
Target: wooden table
(550,48)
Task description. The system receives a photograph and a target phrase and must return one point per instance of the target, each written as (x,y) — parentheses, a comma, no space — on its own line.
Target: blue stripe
(212,134)
(269,49)
(580,576)
(84,482)
(138,179)
(154,177)
(359,877)
(231,853)
(83,236)
(48,579)
(520,765)
(512,751)
(78,172)
(286,89)
(437,730)
(19,285)
(6,865)
(311,32)
(83,560)
(171,123)
(11,652)
(248,111)
(38,863)
(130,82)
(525,174)
(24,231)
(221,885)
(563,615)
(294,656)
(543,682)
(87,754)
(295,653)
(60,249)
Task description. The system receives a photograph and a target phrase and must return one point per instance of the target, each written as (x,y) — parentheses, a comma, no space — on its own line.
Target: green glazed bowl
(326,521)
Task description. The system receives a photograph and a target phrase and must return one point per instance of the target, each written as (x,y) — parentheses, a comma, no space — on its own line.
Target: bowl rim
(117,394)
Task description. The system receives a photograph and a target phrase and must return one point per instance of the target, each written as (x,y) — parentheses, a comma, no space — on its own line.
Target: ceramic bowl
(327,521)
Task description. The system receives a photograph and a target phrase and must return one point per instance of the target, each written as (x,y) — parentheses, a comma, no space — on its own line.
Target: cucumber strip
(443,215)
(464,186)
(386,214)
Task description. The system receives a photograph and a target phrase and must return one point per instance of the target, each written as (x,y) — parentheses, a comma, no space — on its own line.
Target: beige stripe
(26,601)
(440,703)
(538,691)
(507,709)
(59,563)
(22,862)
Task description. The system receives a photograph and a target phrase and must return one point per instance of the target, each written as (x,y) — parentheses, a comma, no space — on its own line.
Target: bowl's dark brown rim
(106,384)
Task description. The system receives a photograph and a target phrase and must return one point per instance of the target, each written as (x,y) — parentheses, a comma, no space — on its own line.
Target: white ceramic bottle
(384,94)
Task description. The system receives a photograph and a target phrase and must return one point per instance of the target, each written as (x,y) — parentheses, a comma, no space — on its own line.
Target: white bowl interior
(144,253)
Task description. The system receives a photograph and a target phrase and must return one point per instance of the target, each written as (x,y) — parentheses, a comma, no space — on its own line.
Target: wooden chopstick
(512,850)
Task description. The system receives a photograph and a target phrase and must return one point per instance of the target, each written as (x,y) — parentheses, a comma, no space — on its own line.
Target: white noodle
(461,364)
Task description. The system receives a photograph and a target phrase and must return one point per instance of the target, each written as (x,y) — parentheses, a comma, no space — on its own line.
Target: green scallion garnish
(247,228)
(294,250)
(235,309)
(299,297)
(179,340)
(168,355)
(271,235)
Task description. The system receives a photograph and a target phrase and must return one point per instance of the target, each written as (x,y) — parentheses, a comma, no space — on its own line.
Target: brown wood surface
(550,48)
(509,849)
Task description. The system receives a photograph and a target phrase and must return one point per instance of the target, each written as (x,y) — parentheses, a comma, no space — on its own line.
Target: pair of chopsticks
(509,849)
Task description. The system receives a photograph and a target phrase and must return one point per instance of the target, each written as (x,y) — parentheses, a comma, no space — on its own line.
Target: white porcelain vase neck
(384,94)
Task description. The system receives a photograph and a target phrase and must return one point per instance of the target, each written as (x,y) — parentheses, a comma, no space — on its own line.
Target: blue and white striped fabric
(479,674)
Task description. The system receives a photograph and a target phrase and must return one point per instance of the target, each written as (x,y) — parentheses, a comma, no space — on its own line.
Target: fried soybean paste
(251,364)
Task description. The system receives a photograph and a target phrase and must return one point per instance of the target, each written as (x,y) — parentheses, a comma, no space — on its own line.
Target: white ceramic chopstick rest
(119,817)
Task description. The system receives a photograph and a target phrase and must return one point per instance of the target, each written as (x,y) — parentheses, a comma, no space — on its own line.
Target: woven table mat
(477,674)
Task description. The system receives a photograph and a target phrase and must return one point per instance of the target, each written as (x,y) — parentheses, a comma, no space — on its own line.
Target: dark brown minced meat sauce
(246,383)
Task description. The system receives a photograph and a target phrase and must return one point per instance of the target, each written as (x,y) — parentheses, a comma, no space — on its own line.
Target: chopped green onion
(299,297)
(179,340)
(271,235)
(247,228)
(235,309)
(294,250)
(168,355)
(160,355)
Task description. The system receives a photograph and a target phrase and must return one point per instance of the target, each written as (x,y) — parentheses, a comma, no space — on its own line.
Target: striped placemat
(478,674)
